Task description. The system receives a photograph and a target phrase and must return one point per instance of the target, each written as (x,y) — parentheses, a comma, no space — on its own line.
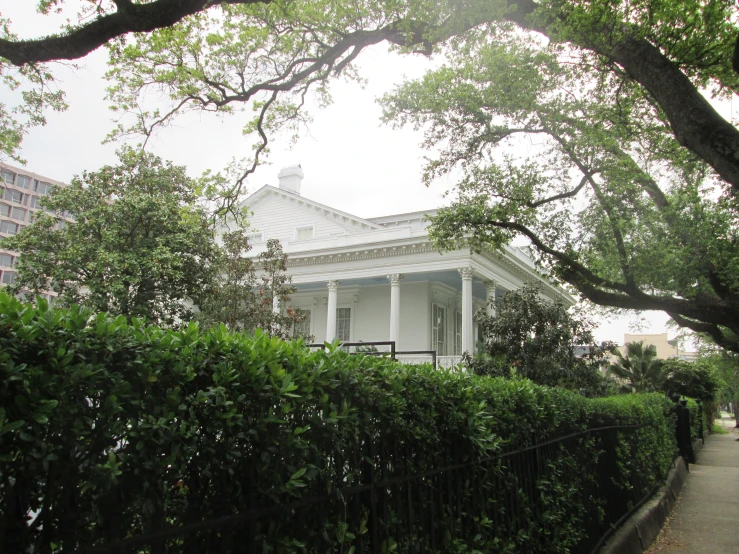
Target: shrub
(111,428)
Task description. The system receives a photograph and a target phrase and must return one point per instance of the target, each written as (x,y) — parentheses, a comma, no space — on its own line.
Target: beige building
(20,195)
(665,348)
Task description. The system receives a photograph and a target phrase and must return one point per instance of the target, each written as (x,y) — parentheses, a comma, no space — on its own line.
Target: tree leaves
(139,244)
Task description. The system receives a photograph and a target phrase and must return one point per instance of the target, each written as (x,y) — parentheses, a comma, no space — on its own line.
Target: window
(8,277)
(304,233)
(18,213)
(344,324)
(5,210)
(23,182)
(35,202)
(302,328)
(6,260)
(458,333)
(438,329)
(14,196)
(41,187)
(255,238)
(9,227)
(7,176)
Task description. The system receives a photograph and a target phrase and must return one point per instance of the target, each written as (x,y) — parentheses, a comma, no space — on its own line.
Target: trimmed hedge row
(110,429)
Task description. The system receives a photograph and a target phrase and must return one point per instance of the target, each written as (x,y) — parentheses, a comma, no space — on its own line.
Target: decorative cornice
(361,254)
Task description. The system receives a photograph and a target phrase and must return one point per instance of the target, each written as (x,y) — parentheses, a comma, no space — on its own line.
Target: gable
(278,215)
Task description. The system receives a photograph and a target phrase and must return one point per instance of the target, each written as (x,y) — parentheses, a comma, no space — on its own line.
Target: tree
(532,337)
(233,299)
(274,293)
(638,73)
(138,243)
(244,303)
(698,380)
(640,367)
(726,367)
(211,55)
(610,199)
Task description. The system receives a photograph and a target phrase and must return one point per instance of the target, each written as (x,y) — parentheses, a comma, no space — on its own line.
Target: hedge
(110,429)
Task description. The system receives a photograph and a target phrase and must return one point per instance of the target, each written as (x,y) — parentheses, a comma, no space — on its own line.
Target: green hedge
(115,428)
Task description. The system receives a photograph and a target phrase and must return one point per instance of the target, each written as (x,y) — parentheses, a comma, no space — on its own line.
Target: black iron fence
(364,348)
(387,503)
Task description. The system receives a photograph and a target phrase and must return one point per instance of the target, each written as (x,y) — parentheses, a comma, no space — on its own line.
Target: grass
(718,430)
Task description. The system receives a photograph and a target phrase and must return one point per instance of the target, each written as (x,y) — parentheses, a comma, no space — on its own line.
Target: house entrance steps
(705,518)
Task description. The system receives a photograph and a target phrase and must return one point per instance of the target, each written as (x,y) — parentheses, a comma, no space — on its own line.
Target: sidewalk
(706,517)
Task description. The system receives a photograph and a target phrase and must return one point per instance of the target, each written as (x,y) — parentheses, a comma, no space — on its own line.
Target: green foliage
(138,245)
(241,301)
(102,414)
(640,368)
(718,429)
(535,338)
(613,204)
(697,380)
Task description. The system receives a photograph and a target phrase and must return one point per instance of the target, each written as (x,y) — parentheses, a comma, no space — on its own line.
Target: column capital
(466,272)
(490,287)
(395,278)
(332,285)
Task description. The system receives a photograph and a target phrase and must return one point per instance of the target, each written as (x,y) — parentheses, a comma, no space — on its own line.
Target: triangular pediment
(279,214)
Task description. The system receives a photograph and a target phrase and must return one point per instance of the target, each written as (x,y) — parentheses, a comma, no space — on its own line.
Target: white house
(381,279)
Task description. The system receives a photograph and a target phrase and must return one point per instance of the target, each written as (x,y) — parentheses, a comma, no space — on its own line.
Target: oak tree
(636,164)
(564,145)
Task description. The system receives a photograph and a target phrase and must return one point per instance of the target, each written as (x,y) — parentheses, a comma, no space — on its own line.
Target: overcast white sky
(350,160)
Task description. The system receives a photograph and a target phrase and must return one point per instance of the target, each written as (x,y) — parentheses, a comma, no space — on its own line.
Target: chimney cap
(291,170)
(290,178)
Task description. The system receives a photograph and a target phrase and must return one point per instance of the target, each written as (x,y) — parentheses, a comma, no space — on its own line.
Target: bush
(111,428)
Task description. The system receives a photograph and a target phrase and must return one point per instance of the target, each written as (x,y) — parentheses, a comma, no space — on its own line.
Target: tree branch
(129,18)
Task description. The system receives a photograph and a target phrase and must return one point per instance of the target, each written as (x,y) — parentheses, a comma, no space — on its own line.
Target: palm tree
(640,368)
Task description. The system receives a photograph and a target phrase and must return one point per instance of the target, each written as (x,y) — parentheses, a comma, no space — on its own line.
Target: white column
(490,287)
(395,279)
(276,312)
(468,341)
(333,294)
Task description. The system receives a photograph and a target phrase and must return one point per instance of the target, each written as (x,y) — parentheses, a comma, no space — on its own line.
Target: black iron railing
(386,500)
(392,352)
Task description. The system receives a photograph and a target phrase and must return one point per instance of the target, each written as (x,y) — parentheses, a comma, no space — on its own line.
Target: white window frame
(14,209)
(435,335)
(5,172)
(29,185)
(18,228)
(255,238)
(458,323)
(312,227)
(351,321)
(12,259)
(310,320)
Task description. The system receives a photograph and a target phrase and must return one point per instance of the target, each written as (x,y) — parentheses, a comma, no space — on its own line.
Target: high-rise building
(20,196)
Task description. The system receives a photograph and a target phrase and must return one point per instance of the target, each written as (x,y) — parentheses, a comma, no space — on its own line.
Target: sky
(351,161)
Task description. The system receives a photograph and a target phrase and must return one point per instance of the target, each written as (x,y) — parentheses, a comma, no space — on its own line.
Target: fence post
(192,512)
(687,437)
(700,420)
(392,350)
(14,521)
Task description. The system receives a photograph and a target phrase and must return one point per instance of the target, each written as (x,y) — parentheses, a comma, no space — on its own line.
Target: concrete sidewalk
(706,517)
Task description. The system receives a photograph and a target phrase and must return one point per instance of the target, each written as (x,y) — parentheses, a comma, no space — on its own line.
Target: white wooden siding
(278,218)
